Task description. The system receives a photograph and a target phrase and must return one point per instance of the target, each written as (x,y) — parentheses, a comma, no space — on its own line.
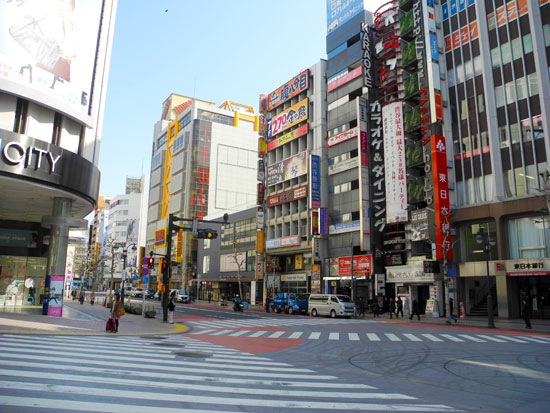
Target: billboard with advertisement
(288,118)
(287,196)
(315,182)
(293,87)
(441,197)
(394,163)
(362,265)
(342,136)
(344,78)
(339,12)
(48,52)
(287,169)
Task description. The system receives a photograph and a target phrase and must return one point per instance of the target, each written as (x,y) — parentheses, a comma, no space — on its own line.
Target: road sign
(144,279)
(135,277)
(145,260)
(144,271)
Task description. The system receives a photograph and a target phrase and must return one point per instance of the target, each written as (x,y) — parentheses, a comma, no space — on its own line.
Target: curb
(177,329)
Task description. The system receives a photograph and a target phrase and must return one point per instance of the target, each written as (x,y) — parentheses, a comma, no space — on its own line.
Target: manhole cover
(189,354)
(153,337)
(168,344)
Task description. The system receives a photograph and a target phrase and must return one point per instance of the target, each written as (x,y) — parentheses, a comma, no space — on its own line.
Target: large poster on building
(287,169)
(48,51)
(441,197)
(288,118)
(394,163)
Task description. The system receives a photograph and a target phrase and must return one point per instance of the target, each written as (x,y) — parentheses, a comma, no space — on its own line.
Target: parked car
(150,293)
(290,303)
(137,292)
(331,304)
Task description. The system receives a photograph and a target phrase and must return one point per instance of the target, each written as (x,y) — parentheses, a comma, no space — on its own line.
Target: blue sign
(144,280)
(453,7)
(445,10)
(144,271)
(135,277)
(433,47)
(339,12)
(315,181)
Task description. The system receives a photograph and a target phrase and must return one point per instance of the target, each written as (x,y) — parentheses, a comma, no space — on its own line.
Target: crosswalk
(372,337)
(173,374)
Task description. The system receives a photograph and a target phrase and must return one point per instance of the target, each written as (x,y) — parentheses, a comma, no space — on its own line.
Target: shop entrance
(537,292)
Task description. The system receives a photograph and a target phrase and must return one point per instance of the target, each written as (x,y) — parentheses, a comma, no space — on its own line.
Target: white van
(330,304)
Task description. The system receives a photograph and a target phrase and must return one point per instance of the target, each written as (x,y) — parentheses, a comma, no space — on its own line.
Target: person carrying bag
(117,311)
(171,308)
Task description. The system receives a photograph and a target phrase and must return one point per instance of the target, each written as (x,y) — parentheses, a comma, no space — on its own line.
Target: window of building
(499,96)
(521,87)
(480,103)
(527,43)
(506,53)
(510,89)
(161,141)
(338,49)
(532,84)
(514,133)
(546,29)
(215,117)
(504,135)
(206,264)
(463,110)
(529,237)
(469,249)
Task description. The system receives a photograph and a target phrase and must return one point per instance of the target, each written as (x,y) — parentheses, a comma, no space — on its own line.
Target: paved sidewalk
(82,319)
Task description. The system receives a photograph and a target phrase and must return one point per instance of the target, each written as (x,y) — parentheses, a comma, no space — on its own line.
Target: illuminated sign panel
(287,137)
(287,169)
(339,12)
(287,196)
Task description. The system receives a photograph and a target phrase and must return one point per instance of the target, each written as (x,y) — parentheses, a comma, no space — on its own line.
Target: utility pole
(352,271)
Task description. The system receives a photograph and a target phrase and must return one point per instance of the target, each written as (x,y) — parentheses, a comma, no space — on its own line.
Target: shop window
(529,237)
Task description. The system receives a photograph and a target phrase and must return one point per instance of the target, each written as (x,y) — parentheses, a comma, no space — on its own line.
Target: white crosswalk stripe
(336,336)
(34,375)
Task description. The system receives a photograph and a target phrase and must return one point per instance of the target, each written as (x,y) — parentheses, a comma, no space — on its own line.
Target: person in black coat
(399,307)
(525,312)
(415,310)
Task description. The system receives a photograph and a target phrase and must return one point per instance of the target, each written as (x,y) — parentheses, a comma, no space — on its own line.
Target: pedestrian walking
(525,312)
(92,298)
(415,310)
(171,308)
(361,307)
(392,308)
(117,311)
(451,305)
(73,294)
(209,296)
(81,297)
(399,307)
(375,309)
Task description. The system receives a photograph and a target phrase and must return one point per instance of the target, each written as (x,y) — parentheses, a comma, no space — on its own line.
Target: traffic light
(164,267)
(207,234)
(151,263)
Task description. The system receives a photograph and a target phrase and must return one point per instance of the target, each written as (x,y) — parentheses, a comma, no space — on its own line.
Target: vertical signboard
(55,296)
(441,196)
(364,182)
(315,184)
(394,163)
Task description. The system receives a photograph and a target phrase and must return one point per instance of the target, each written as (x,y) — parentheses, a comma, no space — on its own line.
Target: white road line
(472,338)
(114,343)
(514,339)
(373,337)
(392,337)
(353,337)
(491,338)
(432,337)
(296,334)
(257,334)
(311,381)
(220,332)
(209,330)
(314,336)
(412,337)
(452,338)
(334,336)
(535,339)
(276,334)
(239,333)
(199,387)
(136,396)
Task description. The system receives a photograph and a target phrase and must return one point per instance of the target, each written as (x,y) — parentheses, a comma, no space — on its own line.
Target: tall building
(295,195)
(497,58)
(55,59)
(204,161)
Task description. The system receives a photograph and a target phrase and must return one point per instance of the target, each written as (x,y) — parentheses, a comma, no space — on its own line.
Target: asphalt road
(258,362)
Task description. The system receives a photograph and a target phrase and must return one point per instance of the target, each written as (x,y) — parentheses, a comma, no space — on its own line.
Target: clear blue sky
(213,50)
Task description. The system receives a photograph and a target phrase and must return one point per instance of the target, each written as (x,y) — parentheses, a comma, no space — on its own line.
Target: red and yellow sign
(461,36)
(287,137)
(288,118)
(293,87)
(362,265)
(160,238)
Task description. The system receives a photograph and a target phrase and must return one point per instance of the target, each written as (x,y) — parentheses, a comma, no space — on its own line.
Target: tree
(239,263)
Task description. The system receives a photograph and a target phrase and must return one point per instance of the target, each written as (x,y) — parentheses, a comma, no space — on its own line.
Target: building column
(59,223)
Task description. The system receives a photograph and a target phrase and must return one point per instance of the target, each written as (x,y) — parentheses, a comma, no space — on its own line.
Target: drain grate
(194,355)
(168,344)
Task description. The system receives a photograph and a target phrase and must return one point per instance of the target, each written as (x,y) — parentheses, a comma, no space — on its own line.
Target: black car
(150,293)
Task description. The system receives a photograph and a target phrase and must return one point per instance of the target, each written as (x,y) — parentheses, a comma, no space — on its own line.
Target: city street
(254,361)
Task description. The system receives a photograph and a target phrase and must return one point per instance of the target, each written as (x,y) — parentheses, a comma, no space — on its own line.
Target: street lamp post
(488,241)
(124,255)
